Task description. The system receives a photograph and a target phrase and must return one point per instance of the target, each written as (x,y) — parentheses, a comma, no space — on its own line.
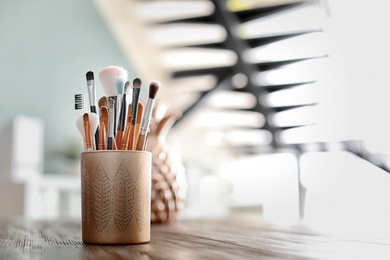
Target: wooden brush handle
(119,135)
(131,138)
(102,145)
(141,143)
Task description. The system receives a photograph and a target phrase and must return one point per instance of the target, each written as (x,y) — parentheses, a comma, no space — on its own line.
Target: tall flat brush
(136,91)
(92,101)
(153,89)
(108,77)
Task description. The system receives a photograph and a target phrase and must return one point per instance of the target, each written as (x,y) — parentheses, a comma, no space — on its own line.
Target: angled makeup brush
(103,102)
(92,101)
(108,77)
(111,124)
(136,91)
(86,124)
(104,122)
(142,139)
(122,118)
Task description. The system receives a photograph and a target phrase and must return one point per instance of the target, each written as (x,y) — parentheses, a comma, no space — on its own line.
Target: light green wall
(46,47)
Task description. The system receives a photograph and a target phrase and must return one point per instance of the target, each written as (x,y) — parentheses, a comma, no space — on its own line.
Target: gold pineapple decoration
(168,186)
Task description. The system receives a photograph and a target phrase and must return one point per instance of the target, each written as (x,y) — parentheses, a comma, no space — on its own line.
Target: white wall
(46,47)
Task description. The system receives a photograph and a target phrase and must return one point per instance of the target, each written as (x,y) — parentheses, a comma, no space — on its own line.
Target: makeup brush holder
(115,191)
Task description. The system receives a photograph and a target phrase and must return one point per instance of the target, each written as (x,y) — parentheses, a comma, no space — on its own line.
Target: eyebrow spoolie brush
(92,101)
(153,89)
(136,91)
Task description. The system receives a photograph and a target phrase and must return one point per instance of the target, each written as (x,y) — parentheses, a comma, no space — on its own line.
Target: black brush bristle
(154,86)
(90,75)
(79,101)
(137,82)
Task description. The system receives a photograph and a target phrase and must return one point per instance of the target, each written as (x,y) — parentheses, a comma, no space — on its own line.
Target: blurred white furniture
(24,189)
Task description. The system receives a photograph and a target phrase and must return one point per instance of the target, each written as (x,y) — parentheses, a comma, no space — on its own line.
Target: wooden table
(231,238)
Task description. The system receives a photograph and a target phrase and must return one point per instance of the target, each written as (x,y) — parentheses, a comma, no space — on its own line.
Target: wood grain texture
(234,238)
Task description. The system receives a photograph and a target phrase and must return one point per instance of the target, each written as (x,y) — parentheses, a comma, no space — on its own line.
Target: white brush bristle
(108,77)
(80,125)
(94,122)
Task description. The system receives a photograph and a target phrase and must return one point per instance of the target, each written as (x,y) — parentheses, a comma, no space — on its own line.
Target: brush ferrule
(147,116)
(91,92)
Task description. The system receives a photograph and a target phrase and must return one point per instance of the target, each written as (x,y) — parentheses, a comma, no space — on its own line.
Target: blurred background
(283,102)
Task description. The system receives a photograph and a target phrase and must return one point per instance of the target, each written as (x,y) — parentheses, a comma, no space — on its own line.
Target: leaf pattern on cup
(86,196)
(140,188)
(124,197)
(102,202)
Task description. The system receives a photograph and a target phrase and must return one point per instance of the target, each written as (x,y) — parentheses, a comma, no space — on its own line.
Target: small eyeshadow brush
(142,139)
(136,91)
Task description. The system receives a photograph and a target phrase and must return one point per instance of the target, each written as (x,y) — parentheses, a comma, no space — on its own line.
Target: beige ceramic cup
(115,191)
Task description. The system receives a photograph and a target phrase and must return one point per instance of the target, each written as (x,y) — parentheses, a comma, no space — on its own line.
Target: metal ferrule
(147,116)
(91,92)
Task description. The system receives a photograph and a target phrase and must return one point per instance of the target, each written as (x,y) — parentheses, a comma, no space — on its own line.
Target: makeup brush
(108,77)
(92,101)
(140,114)
(120,89)
(103,102)
(142,139)
(122,117)
(79,105)
(102,134)
(87,132)
(111,123)
(104,122)
(86,124)
(126,135)
(137,124)
(136,91)
(80,127)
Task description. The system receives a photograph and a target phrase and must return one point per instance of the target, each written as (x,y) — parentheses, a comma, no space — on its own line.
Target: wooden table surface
(231,238)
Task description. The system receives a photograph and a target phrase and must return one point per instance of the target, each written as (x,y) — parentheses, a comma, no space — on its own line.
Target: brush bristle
(108,77)
(93,121)
(137,82)
(90,76)
(153,89)
(80,125)
(120,85)
(102,101)
(111,103)
(79,101)
(127,88)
